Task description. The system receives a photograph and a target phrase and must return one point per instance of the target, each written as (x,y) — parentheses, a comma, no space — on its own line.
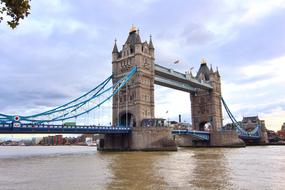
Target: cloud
(138,6)
(255,91)
(173,104)
(197,34)
(256,10)
(273,118)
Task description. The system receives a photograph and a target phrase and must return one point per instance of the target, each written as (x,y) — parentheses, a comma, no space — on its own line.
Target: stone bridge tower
(206,105)
(135,101)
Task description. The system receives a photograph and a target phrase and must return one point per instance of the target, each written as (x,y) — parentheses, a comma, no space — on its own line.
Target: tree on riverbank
(14,11)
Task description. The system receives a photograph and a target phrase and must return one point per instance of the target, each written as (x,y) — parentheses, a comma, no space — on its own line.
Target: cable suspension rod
(115,88)
(84,95)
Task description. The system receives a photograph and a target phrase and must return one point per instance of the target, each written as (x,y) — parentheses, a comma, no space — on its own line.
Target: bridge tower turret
(115,52)
(206,104)
(135,101)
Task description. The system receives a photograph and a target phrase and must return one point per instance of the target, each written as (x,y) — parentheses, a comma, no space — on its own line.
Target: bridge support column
(217,139)
(206,104)
(225,139)
(114,142)
(184,140)
(135,101)
(140,139)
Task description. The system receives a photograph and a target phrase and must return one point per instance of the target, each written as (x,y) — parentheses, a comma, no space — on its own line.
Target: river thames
(80,167)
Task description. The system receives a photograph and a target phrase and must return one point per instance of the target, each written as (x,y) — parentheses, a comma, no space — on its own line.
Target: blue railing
(202,135)
(18,128)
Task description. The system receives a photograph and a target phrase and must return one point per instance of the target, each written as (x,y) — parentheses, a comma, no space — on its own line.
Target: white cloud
(236,14)
(259,9)
(274,67)
(170,103)
(137,6)
(274,119)
(270,74)
(258,97)
(50,8)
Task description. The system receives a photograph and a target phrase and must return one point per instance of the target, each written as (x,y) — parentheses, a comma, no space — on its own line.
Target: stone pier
(225,139)
(140,139)
(217,139)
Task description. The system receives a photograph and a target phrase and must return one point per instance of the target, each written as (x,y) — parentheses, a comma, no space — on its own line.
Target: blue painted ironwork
(243,134)
(18,128)
(70,110)
(202,135)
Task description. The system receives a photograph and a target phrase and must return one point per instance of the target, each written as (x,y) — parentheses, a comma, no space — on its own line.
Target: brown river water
(75,167)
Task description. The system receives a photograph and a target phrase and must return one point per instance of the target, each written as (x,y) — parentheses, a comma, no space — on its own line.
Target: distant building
(272,136)
(281,135)
(58,139)
(283,127)
(249,123)
(52,140)
(230,126)
(36,140)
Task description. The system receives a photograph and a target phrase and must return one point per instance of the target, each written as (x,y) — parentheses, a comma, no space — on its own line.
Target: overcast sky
(64,48)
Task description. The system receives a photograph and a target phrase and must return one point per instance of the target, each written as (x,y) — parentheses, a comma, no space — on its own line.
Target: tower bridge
(134,74)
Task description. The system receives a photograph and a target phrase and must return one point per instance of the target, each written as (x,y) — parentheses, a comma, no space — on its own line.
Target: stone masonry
(206,105)
(135,101)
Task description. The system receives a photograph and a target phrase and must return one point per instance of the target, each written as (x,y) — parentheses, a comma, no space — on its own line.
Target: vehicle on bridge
(153,122)
(69,123)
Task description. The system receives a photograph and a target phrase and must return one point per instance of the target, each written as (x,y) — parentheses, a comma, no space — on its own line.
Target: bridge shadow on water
(186,169)
(197,168)
(135,170)
(211,169)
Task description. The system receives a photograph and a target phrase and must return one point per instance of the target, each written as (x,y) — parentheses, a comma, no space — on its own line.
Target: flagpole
(167,118)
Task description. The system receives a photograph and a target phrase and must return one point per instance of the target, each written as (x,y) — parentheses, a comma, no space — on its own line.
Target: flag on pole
(177,61)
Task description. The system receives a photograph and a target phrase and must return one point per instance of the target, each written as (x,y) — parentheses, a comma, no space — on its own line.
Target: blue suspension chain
(255,131)
(65,116)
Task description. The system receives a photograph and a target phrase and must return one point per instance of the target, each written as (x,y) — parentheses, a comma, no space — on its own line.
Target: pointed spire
(115,49)
(191,73)
(138,38)
(217,72)
(211,69)
(150,42)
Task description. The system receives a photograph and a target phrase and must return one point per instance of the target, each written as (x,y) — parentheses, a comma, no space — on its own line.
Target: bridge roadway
(179,81)
(9,128)
(202,135)
(249,137)
(18,128)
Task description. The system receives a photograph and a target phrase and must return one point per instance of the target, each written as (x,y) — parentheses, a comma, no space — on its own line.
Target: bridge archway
(127,120)
(205,126)
(202,125)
